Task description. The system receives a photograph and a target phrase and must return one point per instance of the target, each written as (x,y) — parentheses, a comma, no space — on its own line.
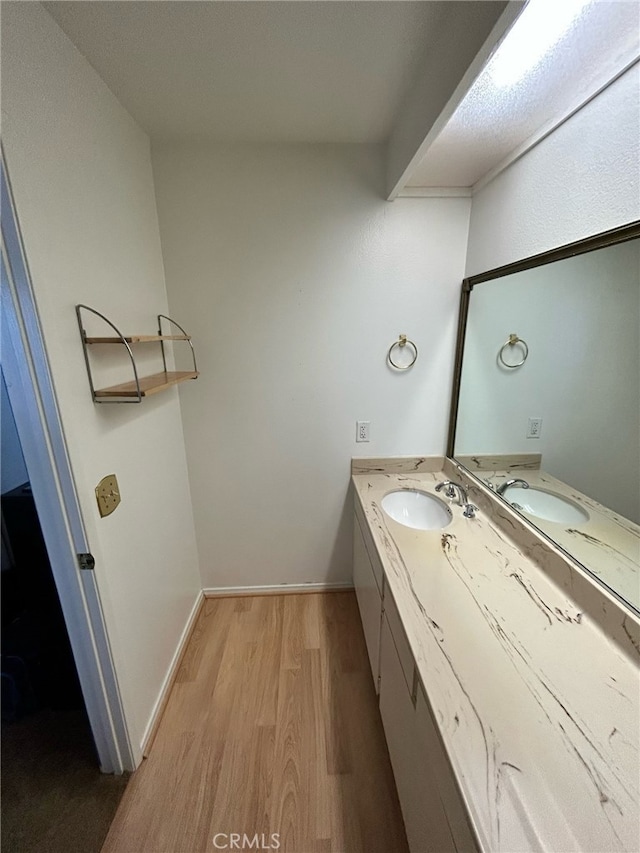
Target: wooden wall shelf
(139,339)
(148,384)
(139,387)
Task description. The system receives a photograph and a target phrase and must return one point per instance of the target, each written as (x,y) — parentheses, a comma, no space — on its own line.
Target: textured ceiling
(495,117)
(272,71)
(258,71)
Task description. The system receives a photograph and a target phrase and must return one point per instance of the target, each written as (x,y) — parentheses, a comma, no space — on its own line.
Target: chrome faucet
(516,482)
(453,490)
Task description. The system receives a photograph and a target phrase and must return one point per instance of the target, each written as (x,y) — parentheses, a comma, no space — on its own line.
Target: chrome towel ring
(513,340)
(402,342)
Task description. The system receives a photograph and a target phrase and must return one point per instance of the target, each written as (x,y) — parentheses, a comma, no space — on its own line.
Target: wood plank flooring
(271,727)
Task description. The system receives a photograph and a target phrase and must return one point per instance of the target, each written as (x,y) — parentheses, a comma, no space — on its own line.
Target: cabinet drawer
(399,638)
(376,565)
(450,796)
(369,600)
(424,815)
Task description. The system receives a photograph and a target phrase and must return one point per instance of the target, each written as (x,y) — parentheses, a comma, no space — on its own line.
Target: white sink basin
(417,509)
(546,505)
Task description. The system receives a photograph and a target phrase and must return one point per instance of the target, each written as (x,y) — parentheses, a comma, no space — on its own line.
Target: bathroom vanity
(508,680)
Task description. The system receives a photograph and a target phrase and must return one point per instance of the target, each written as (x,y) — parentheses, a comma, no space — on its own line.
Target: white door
(33,401)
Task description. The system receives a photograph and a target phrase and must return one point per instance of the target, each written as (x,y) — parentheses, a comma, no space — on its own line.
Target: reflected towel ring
(402,342)
(513,340)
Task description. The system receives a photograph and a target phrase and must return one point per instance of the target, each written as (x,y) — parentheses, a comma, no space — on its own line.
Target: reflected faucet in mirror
(515,482)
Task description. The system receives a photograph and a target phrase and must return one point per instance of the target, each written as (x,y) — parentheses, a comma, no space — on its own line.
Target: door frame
(35,408)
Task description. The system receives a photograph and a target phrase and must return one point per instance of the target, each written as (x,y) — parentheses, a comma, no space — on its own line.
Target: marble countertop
(607,544)
(538,705)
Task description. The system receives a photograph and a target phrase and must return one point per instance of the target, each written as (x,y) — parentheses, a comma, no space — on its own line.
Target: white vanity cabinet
(434,815)
(368,586)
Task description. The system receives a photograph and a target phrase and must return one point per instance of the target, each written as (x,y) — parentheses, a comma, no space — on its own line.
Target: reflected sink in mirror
(545,505)
(416,509)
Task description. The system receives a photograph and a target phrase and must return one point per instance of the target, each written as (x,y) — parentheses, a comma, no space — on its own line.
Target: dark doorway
(54,797)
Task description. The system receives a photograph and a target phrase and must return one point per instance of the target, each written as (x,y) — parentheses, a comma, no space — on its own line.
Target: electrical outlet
(362,430)
(534,428)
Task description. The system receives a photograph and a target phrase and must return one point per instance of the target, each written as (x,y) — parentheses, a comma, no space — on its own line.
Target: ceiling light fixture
(539,27)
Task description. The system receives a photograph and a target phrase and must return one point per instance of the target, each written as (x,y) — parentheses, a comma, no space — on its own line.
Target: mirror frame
(613,237)
(621,234)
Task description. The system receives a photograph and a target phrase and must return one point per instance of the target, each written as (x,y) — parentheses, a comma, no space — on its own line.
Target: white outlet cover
(534,428)
(362,430)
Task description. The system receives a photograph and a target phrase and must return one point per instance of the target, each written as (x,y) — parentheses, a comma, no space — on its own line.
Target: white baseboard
(167,684)
(276,589)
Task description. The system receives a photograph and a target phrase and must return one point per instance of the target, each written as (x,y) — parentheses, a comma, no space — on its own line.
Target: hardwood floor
(272,727)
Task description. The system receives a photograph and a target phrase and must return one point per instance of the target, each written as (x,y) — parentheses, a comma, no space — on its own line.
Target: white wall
(580,180)
(295,278)
(581,320)
(13,471)
(81,173)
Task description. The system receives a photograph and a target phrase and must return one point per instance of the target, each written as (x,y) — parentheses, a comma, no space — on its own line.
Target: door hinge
(86,562)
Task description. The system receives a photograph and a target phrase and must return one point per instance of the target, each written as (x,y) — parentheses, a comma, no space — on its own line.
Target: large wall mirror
(546,405)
